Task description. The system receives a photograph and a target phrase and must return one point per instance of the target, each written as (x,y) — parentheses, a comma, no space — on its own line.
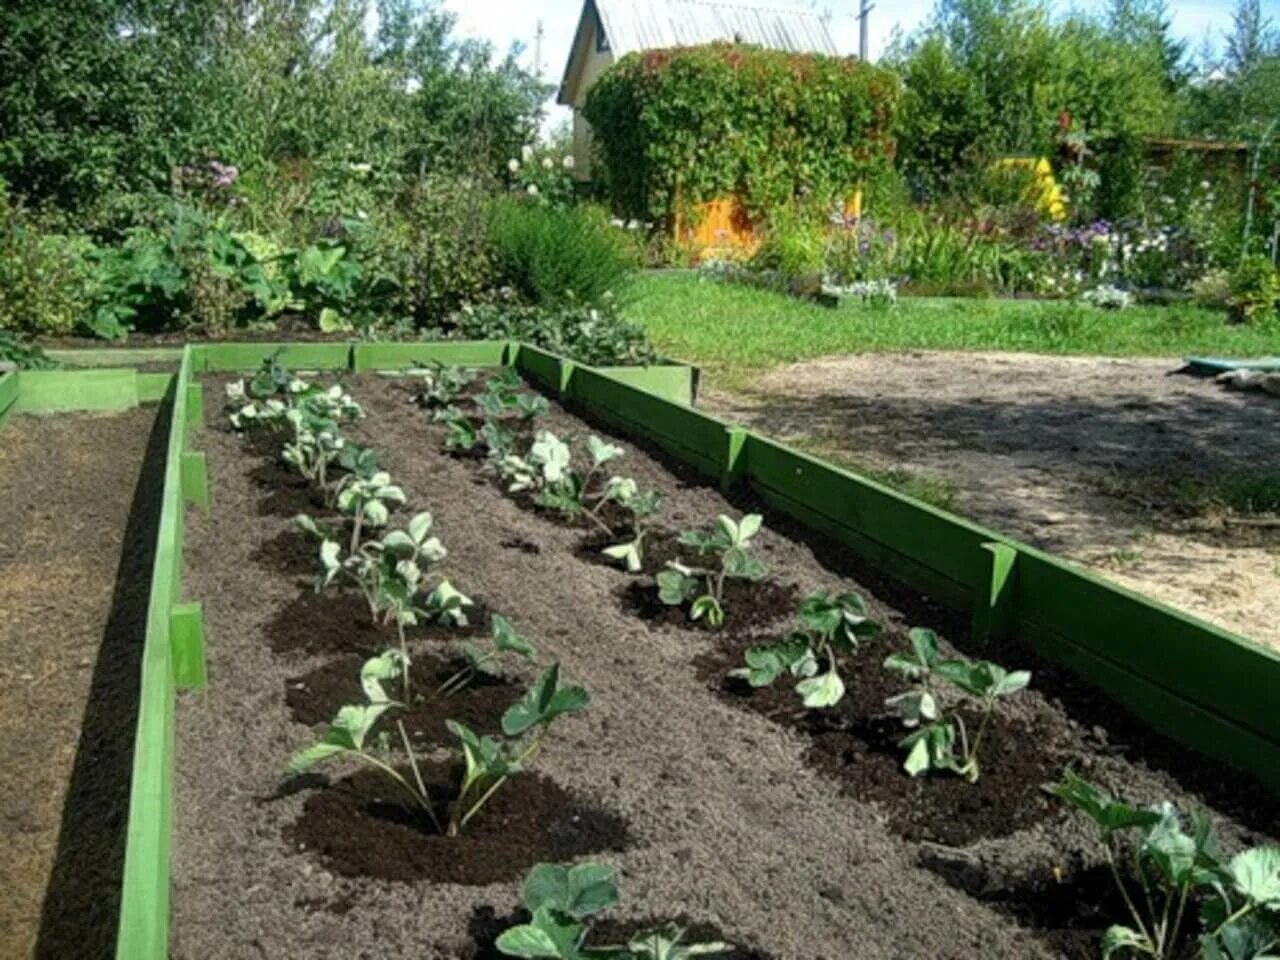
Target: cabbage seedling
(830,625)
(561,902)
(703,588)
(940,741)
(1169,867)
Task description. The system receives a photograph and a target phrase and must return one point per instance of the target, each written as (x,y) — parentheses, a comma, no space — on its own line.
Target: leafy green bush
(44,283)
(598,336)
(554,256)
(685,125)
(794,244)
(1255,290)
(23,355)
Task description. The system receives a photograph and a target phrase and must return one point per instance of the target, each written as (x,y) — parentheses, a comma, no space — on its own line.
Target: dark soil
(797,835)
(77,539)
(315,697)
(362,827)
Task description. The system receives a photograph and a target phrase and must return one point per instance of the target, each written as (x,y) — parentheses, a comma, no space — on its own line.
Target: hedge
(688,124)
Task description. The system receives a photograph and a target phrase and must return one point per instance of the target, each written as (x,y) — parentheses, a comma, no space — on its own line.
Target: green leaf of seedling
(346,733)
(484,755)
(766,663)
(601,451)
(549,934)
(1256,876)
(1108,814)
(330,560)
(630,555)
(981,678)
(706,606)
(1169,848)
(822,691)
(664,943)
(419,526)
(930,747)
(387,666)
(446,604)
(914,707)
(675,585)
(923,657)
(748,527)
(543,702)
(1119,938)
(376,513)
(577,891)
(741,565)
(507,640)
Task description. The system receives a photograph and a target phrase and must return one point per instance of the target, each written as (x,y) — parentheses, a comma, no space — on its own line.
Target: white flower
(361,168)
(567,162)
(547,163)
(526,153)
(533,189)
(633,224)
(513,165)
(1204,184)
(361,215)
(615,222)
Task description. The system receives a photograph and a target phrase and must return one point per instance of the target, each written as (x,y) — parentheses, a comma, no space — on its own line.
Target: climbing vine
(685,125)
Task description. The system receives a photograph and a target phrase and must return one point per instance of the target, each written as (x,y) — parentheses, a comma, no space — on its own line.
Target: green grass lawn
(735,330)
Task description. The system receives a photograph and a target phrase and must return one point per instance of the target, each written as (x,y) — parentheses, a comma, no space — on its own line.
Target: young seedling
(561,902)
(830,625)
(461,434)
(703,588)
(315,445)
(1170,868)
(443,385)
(940,740)
(489,761)
(640,507)
(368,502)
(505,640)
(548,472)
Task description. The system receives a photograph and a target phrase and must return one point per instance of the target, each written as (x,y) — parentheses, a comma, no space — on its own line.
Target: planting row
(946,707)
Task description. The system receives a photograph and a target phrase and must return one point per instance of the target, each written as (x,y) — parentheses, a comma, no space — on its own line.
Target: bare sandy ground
(1088,457)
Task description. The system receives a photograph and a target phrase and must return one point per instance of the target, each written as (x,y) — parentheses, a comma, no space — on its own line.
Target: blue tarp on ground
(1219,365)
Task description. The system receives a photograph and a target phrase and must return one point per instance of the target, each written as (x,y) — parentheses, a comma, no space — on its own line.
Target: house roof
(635,25)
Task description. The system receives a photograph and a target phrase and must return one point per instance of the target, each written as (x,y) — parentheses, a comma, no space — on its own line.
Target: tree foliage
(689,124)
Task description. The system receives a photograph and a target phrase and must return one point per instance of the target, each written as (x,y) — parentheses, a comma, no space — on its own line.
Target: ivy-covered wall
(689,124)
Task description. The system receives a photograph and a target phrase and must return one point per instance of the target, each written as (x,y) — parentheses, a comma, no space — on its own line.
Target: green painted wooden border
(54,391)
(237,357)
(172,654)
(397,356)
(8,393)
(117,357)
(674,382)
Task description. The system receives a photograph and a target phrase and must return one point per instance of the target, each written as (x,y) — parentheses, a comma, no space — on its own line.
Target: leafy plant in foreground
(25,356)
(1171,868)
(443,385)
(939,739)
(729,542)
(562,899)
(829,625)
(547,470)
(368,501)
(490,762)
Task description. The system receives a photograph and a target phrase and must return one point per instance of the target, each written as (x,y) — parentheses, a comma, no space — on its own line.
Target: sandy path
(1080,455)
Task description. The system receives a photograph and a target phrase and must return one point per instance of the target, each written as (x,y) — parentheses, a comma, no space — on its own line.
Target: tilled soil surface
(1090,457)
(79,499)
(791,835)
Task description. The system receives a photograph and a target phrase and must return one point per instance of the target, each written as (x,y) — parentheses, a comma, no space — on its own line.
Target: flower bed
(789,831)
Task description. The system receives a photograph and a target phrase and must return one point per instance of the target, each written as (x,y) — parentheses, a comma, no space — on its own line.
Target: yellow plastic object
(1044,193)
(722,229)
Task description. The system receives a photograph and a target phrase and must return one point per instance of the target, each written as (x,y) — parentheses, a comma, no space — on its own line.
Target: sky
(506,21)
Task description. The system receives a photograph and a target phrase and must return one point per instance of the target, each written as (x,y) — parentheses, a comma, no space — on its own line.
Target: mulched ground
(78,514)
(792,835)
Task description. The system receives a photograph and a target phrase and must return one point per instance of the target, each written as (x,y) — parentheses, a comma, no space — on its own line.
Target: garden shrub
(794,244)
(44,283)
(553,256)
(595,335)
(1255,290)
(695,123)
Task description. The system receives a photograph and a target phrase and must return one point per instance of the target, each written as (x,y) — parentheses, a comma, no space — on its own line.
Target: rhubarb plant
(1161,870)
(561,902)
(829,627)
(939,739)
(702,588)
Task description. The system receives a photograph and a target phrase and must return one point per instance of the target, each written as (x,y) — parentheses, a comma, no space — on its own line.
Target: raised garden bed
(76,535)
(790,833)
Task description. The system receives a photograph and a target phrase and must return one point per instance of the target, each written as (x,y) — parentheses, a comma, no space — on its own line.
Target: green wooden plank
(195,478)
(932,538)
(154,387)
(1219,671)
(541,368)
(54,391)
(143,932)
(245,357)
(696,438)
(186,630)
(117,357)
(195,405)
(397,356)
(1166,711)
(670,381)
(8,393)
